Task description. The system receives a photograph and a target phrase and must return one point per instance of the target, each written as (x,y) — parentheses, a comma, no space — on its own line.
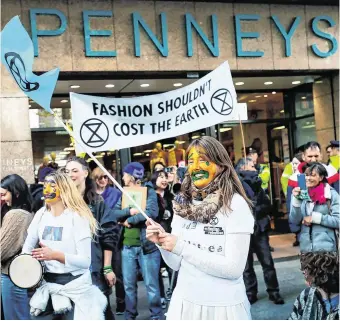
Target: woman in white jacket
(210,238)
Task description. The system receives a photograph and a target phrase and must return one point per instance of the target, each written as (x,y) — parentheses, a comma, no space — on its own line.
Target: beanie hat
(44,172)
(134,169)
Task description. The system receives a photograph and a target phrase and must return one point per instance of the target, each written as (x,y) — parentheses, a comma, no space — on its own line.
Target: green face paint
(195,176)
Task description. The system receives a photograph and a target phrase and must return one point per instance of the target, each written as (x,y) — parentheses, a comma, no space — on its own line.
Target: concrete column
(323,108)
(16,143)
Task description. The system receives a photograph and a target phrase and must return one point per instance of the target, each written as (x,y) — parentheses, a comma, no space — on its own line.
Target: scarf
(206,210)
(317,194)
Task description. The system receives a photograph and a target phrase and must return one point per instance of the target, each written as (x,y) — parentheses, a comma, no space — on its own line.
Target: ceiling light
(147,154)
(99,156)
(195,137)
(226,129)
(74,86)
(319,82)
(148,151)
(296,82)
(303,97)
(252,101)
(274,92)
(239,83)
(109,85)
(64,101)
(145,85)
(168,145)
(265,95)
(278,128)
(268,83)
(137,154)
(178,84)
(257,96)
(308,126)
(181,142)
(282,111)
(69,148)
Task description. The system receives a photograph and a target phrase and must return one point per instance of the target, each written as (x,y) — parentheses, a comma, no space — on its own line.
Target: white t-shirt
(68,233)
(211,257)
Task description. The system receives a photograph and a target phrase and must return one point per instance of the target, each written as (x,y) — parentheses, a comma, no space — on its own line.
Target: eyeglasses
(101,177)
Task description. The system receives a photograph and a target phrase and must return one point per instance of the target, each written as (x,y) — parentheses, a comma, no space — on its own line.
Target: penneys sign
(318,24)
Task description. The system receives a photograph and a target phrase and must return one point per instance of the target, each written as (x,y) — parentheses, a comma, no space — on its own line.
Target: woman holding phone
(317,212)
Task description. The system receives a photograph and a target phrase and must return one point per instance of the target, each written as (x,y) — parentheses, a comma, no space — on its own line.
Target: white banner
(116,123)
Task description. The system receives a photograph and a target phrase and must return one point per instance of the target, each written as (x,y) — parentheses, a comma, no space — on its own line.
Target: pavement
(288,272)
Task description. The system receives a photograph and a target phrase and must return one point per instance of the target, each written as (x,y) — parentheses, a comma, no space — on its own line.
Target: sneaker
(252,298)
(163,302)
(165,274)
(119,312)
(276,298)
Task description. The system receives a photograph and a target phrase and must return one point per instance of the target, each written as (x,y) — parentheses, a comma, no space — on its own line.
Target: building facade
(284,60)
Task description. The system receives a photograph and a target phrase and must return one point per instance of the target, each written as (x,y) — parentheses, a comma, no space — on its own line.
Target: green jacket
(264,175)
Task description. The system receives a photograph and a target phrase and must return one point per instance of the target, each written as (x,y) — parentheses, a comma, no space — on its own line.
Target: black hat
(251,150)
(335,143)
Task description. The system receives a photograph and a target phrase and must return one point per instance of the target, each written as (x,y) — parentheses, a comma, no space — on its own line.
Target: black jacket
(37,194)
(165,204)
(261,202)
(107,237)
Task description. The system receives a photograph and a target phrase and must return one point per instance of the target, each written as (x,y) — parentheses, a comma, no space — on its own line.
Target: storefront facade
(284,61)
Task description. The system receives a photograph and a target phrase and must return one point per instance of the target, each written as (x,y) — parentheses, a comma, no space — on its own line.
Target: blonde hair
(97,172)
(72,199)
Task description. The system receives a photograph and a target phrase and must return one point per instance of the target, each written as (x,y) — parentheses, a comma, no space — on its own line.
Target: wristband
(107,272)
(107,267)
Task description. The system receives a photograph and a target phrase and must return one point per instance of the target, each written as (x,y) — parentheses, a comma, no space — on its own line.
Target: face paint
(201,170)
(51,191)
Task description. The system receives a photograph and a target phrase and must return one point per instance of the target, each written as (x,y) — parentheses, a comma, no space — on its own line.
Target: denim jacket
(322,234)
(139,220)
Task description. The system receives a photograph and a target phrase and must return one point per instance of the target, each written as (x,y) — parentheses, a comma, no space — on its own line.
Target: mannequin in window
(176,154)
(158,155)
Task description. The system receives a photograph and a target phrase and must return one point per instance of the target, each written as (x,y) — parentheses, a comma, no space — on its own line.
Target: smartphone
(302,181)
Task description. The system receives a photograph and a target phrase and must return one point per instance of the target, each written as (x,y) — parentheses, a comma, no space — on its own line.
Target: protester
(14,192)
(63,229)
(111,196)
(289,170)
(320,301)
(334,162)
(137,249)
(159,181)
(210,238)
(105,242)
(319,215)
(328,151)
(259,243)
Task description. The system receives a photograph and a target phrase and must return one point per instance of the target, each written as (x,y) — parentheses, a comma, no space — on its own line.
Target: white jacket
(89,301)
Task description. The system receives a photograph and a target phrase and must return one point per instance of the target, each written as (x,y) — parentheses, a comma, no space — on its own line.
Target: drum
(25,271)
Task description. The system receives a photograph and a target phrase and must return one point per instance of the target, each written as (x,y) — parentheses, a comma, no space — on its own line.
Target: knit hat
(44,172)
(134,169)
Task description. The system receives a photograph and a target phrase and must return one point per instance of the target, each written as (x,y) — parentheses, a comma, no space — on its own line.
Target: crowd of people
(90,241)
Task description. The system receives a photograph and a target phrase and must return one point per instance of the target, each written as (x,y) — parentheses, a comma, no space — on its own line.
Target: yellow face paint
(201,169)
(51,191)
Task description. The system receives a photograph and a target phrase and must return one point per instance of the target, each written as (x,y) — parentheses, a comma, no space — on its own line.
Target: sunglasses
(101,177)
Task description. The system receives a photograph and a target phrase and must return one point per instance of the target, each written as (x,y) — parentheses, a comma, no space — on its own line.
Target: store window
(305,130)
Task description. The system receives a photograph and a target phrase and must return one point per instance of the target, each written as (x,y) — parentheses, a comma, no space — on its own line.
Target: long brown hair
(229,183)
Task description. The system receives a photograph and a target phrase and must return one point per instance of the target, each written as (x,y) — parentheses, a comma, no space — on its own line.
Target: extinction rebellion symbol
(94,133)
(222,102)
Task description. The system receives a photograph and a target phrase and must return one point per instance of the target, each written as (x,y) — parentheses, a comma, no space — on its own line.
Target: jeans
(259,244)
(150,265)
(14,300)
(117,269)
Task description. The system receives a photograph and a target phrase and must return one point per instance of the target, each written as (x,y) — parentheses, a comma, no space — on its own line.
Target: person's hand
(152,231)
(125,224)
(307,220)
(133,211)
(167,241)
(43,254)
(110,279)
(296,191)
